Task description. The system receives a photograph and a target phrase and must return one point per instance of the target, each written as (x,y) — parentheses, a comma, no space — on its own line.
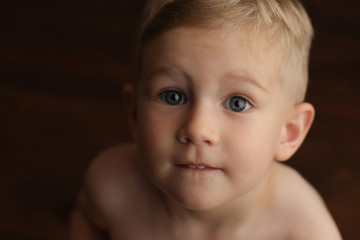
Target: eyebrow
(246,78)
(164,71)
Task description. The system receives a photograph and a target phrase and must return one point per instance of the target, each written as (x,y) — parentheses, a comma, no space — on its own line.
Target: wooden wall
(62,66)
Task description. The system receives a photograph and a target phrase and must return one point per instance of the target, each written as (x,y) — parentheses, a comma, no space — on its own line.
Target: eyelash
(175,97)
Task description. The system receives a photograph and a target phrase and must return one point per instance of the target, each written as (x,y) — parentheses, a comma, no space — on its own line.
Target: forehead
(215,51)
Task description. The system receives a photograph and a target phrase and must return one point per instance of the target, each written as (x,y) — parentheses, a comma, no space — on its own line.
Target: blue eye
(172,97)
(237,104)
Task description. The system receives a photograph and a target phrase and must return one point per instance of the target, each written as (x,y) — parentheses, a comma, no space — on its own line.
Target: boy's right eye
(172,97)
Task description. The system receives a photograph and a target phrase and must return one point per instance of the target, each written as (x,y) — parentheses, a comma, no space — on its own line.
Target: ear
(129,98)
(295,130)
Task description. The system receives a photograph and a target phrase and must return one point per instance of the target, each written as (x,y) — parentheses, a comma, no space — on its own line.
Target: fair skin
(211,121)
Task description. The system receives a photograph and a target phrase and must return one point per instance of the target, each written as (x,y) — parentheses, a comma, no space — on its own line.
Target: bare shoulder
(305,209)
(108,181)
(112,164)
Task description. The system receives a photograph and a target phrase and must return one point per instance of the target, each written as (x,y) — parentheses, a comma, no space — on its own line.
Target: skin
(199,167)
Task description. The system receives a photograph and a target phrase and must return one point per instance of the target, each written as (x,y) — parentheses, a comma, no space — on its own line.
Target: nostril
(198,131)
(186,136)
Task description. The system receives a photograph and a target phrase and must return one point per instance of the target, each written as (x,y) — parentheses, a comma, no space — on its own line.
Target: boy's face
(210,113)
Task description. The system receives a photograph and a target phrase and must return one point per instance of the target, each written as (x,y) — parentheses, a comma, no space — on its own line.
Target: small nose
(199,126)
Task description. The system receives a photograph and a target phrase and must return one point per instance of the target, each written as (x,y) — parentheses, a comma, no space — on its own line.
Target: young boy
(217,106)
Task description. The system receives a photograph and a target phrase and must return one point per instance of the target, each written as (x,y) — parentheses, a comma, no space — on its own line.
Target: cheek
(249,163)
(153,136)
(252,147)
(153,128)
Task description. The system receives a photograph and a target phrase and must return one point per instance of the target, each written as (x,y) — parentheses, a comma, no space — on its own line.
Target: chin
(198,201)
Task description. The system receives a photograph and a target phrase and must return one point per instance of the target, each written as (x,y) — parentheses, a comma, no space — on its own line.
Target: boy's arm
(99,201)
(82,223)
(81,227)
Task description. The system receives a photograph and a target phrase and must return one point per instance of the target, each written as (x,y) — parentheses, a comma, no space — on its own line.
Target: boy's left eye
(237,104)
(172,97)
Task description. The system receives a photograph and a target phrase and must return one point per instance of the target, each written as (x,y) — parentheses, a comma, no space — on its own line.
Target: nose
(200,126)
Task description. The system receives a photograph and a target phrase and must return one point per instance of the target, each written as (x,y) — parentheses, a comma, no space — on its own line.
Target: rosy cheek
(152,129)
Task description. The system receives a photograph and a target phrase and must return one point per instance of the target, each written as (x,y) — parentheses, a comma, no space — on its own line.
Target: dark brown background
(62,65)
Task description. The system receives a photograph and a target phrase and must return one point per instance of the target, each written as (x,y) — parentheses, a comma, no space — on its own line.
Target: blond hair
(283,23)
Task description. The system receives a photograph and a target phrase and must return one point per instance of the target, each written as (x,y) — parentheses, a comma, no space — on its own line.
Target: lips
(195,158)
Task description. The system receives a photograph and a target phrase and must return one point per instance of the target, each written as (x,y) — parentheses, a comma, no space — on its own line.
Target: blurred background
(62,67)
